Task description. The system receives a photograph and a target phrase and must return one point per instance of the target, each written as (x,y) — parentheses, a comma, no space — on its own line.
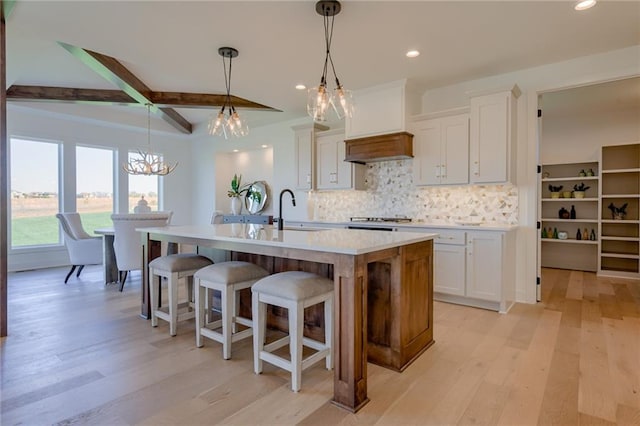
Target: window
(94,186)
(34,192)
(143,186)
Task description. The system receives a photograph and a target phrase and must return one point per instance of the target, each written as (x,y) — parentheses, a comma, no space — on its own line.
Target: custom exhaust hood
(392,146)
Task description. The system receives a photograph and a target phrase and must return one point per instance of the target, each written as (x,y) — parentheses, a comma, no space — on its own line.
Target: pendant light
(148,163)
(230,124)
(319,99)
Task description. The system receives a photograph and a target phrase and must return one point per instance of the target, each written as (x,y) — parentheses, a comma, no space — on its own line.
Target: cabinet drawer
(450,237)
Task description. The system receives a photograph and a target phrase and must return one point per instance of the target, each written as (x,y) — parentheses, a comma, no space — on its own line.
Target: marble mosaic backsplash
(390,193)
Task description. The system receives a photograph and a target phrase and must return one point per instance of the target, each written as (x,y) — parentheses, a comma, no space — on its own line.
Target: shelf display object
(619,211)
(569,205)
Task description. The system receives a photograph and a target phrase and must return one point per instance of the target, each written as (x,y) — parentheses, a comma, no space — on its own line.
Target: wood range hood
(392,146)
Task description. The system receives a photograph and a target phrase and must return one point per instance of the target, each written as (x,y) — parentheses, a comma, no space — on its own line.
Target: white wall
(214,175)
(177,195)
(576,138)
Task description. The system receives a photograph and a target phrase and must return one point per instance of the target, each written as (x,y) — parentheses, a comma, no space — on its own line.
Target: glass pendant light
(229,124)
(148,163)
(319,99)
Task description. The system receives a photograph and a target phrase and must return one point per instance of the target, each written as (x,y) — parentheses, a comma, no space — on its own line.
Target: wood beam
(4,175)
(113,71)
(204,100)
(68,94)
(117,97)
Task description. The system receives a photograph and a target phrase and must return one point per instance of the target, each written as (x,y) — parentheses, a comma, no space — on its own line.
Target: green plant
(580,187)
(555,188)
(236,187)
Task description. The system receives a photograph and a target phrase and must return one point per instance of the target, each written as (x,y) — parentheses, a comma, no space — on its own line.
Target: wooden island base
(399,301)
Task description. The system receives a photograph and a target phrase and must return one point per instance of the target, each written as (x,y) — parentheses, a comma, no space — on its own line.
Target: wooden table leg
(350,340)
(150,250)
(109,259)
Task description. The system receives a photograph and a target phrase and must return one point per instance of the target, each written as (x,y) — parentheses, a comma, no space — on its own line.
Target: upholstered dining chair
(126,243)
(83,249)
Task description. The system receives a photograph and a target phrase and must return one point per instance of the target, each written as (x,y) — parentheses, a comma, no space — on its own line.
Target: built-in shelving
(570,253)
(619,248)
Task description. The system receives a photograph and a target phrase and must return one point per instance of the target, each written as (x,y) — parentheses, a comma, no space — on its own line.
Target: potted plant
(555,191)
(578,190)
(235,192)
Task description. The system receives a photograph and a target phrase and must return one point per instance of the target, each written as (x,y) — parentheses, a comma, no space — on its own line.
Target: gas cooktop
(381,219)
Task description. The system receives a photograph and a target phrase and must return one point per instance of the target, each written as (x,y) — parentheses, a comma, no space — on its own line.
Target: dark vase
(573,212)
(578,235)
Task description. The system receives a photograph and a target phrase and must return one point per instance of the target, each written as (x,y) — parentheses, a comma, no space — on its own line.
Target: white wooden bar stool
(227,278)
(173,267)
(293,290)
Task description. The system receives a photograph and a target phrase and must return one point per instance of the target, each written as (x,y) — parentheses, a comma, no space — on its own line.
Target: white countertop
(343,241)
(411,226)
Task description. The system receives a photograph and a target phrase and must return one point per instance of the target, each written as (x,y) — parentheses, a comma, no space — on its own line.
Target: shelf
(630,239)
(571,220)
(572,199)
(625,222)
(568,241)
(620,196)
(566,179)
(620,255)
(621,171)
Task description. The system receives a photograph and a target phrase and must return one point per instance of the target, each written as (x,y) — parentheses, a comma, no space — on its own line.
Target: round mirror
(256,197)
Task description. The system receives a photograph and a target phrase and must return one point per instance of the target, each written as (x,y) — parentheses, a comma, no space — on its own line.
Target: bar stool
(293,290)
(173,267)
(227,278)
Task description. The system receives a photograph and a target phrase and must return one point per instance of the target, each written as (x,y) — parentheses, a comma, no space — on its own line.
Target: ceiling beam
(68,94)
(113,71)
(117,97)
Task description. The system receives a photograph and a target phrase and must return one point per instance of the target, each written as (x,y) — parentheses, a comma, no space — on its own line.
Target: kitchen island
(383,301)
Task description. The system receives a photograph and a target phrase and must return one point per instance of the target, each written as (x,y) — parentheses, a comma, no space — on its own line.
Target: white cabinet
(492,137)
(332,171)
(441,151)
(304,137)
(484,265)
(449,254)
(474,268)
(381,109)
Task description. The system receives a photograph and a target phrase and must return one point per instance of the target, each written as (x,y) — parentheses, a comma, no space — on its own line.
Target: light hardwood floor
(80,354)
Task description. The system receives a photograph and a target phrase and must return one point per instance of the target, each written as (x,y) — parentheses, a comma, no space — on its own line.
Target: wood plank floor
(80,354)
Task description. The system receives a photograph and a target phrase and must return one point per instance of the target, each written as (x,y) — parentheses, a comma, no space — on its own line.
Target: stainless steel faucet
(293,201)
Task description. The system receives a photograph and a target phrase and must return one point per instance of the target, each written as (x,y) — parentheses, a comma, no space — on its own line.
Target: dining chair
(127,241)
(83,249)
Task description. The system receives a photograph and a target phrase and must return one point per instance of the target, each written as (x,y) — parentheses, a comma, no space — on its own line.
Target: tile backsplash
(390,193)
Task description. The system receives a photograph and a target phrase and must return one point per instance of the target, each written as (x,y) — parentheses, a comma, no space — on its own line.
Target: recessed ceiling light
(264,146)
(412,53)
(235,150)
(584,4)
(300,86)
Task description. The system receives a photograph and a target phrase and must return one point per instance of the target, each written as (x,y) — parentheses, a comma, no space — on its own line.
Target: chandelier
(230,124)
(148,163)
(319,99)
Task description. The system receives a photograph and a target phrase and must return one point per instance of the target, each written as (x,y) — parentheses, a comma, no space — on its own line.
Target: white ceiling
(172,45)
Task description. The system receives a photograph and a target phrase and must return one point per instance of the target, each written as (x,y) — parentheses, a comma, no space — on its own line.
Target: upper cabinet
(333,172)
(441,150)
(381,109)
(492,137)
(304,139)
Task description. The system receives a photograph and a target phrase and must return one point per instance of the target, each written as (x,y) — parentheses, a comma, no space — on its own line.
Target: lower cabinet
(474,268)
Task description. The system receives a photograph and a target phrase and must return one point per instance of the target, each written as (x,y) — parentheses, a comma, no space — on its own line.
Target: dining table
(383,288)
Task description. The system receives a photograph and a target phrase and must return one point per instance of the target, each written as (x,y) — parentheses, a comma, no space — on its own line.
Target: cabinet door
(304,159)
(426,151)
(326,152)
(454,153)
(347,175)
(484,265)
(490,137)
(449,275)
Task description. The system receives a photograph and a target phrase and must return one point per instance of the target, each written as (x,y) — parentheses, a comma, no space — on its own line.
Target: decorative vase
(578,194)
(555,195)
(236,205)
(566,194)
